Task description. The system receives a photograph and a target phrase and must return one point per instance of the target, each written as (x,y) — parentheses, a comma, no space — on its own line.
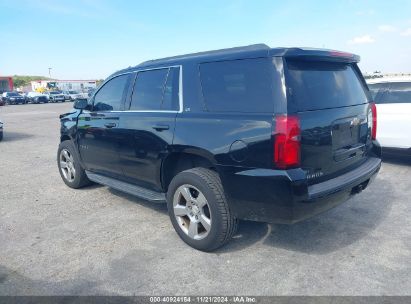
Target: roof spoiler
(318,55)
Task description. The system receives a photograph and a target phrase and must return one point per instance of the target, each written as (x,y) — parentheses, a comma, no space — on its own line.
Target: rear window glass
(395,92)
(322,85)
(238,85)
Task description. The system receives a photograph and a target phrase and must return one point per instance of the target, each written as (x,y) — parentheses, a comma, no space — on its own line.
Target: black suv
(13,98)
(255,133)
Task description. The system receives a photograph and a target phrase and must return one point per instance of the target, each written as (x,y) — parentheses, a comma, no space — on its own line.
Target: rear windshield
(395,92)
(322,85)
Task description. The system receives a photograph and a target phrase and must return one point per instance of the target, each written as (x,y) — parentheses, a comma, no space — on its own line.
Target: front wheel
(199,210)
(69,166)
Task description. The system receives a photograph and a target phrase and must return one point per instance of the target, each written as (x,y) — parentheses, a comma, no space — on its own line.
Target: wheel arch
(177,162)
(64,137)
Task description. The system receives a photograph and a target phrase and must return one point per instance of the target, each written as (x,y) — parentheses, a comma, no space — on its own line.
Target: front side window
(110,96)
(238,85)
(156,90)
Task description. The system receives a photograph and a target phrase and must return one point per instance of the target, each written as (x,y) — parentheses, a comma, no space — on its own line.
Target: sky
(90,39)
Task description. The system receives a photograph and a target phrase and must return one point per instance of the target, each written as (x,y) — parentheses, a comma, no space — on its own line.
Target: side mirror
(80,104)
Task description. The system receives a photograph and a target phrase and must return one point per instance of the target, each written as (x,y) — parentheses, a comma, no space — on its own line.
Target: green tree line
(21,81)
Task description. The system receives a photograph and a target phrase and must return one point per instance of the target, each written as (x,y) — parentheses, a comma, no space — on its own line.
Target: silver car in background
(56,96)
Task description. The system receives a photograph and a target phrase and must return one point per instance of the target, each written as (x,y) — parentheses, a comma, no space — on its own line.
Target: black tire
(1,135)
(80,178)
(223,223)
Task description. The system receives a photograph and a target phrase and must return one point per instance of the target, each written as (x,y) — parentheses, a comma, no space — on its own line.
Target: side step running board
(149,195)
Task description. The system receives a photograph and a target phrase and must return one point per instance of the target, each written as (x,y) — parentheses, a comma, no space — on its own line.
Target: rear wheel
(199,211)
(69,166)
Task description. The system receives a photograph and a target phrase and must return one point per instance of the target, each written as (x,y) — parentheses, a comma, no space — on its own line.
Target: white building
(75,85)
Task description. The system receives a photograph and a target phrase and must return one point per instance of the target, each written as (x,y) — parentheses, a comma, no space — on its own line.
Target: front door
(99,136)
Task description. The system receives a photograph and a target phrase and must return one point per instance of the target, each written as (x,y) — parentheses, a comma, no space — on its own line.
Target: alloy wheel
(67,165)
(192,212)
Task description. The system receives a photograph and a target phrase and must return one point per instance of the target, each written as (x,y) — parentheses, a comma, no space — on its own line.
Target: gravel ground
(97,241)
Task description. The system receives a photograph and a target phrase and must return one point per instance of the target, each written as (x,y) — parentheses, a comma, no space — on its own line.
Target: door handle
(161,127)
(110,125)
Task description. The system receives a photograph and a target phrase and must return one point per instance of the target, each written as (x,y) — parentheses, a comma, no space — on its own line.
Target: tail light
(374,121)
(287,135)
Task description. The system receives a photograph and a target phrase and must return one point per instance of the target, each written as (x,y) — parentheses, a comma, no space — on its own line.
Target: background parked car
(1,130)
(36,97)
(71,95)
(55,96)
(393,100)
(13,98)
(90,92)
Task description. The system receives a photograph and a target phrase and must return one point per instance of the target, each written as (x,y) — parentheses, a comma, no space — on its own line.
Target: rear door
(99,136)
(147,125)
(331,100)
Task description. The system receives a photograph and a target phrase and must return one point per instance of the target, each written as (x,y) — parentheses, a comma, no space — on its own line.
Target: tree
(22,81)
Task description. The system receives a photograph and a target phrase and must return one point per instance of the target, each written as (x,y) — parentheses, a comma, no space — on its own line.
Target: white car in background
(392,97)
(72,95)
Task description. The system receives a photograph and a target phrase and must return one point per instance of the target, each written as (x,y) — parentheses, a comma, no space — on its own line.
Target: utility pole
(50,72)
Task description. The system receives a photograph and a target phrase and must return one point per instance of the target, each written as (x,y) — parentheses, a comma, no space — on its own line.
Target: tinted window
(321,85)
(110,96)
(397,92)
(171,90)
(238,85)
(148,90)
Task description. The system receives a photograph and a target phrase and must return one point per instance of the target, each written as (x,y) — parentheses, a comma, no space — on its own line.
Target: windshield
(73,92)
(55,93)
(322,85)
(13,94)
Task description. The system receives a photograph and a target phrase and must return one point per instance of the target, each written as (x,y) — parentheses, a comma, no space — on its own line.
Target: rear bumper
(285,197)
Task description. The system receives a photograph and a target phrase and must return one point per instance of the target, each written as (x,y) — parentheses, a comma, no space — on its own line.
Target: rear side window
(110,96)
(238,85)
(396,92)
(322,85)
(156,90)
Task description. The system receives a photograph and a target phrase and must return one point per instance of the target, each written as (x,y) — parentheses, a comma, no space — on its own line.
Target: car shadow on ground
(13,283)
(397,159)
(15,136)
(326,232)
